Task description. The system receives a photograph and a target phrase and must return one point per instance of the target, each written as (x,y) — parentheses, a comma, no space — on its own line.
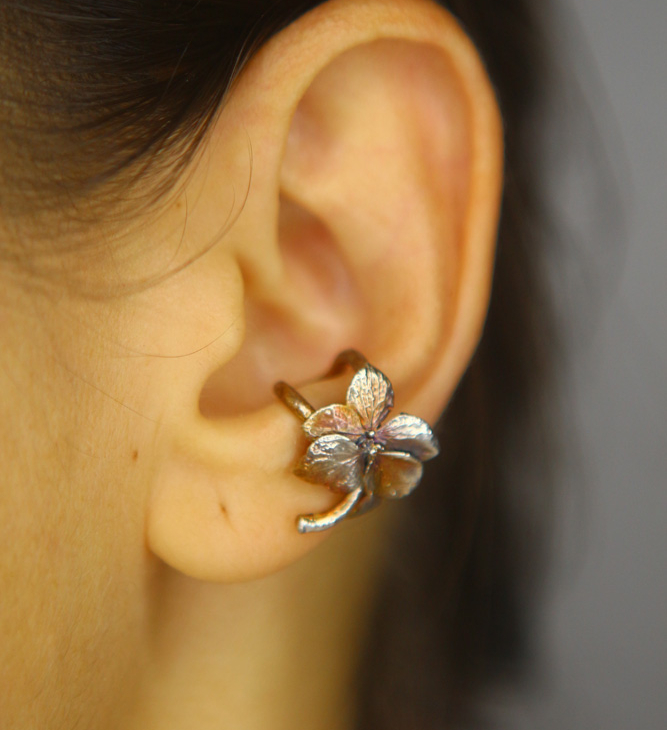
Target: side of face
(347,196)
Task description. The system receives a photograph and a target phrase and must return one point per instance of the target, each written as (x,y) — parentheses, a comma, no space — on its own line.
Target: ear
(369,222)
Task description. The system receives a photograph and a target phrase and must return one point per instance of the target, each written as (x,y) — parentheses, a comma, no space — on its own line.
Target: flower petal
(411,434)
(371,395)
(333,419)
(334,461)
(395,474)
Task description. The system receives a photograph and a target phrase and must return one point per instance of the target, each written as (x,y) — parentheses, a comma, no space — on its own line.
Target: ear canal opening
(243,384)
(293,333)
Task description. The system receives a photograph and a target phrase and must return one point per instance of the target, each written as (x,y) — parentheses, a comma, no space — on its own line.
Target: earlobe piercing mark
(353,452)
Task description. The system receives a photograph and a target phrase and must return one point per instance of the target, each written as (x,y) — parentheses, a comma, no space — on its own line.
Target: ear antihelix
(396,148)
(353,451)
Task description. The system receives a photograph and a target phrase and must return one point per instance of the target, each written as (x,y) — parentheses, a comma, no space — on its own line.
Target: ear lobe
(370,223)
(224,503)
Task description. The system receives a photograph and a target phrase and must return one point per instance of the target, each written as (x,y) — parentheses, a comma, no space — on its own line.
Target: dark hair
(96,95)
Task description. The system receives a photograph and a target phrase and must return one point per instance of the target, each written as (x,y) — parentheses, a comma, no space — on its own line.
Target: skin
(150,568)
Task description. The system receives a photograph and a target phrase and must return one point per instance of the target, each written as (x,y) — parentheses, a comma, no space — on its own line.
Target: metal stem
(299,406)
(347,358)
(325,520)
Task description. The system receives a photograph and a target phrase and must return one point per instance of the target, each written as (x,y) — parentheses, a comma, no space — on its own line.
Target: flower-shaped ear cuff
(353,451)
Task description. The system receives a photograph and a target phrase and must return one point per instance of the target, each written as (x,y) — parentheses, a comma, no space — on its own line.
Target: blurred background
(603,632)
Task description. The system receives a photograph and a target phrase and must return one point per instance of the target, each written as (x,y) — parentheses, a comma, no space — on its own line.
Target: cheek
(71,562)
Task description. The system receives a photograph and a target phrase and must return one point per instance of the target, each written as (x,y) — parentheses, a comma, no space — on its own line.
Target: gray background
(604,628)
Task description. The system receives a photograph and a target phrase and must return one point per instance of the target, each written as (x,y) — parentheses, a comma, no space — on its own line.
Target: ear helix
(353,451)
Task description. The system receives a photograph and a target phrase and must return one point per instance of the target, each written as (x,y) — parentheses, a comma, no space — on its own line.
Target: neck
(273,654)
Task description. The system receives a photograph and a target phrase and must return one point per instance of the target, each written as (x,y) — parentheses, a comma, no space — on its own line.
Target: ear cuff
(354,450)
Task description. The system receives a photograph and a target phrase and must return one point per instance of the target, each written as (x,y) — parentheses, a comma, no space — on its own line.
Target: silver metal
(325,520)
(353,451)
